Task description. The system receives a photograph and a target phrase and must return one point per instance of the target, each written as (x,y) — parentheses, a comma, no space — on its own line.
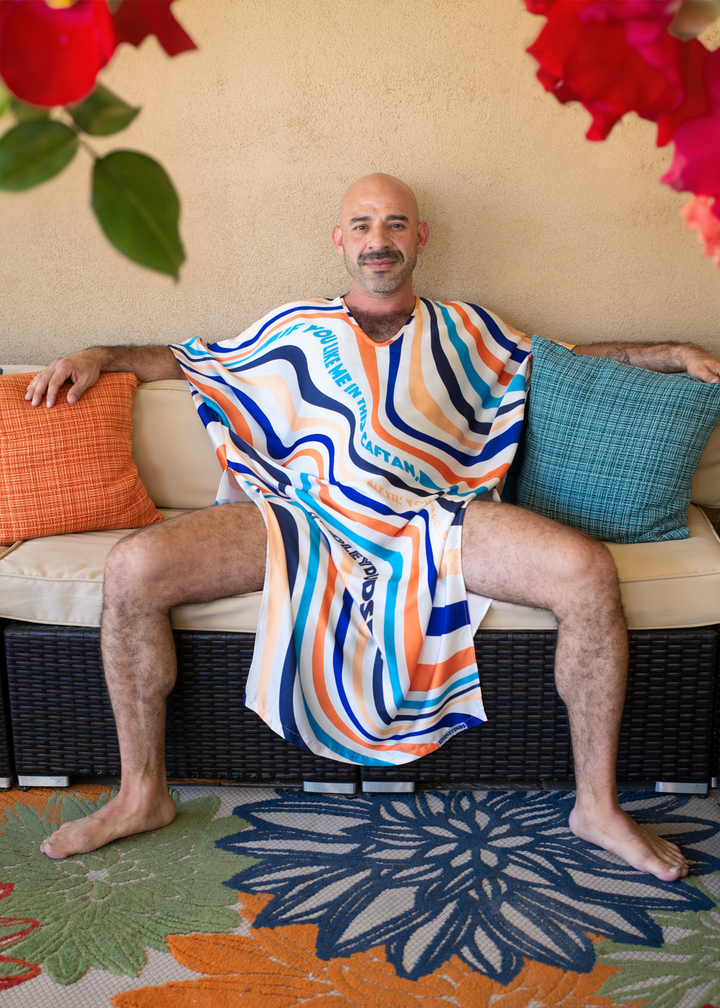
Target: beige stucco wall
(288,101)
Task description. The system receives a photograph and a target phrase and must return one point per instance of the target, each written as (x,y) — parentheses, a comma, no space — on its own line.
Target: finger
(57,380)
(80,386)
(708,373)
(31,389)
(37,388)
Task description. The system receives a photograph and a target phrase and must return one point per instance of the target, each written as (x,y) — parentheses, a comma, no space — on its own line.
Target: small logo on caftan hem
(450,732)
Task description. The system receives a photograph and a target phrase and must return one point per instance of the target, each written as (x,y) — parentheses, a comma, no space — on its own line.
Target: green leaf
(685,969)
(102,112)
(27,113)
(5,99)
(138,209)
(33,152)
(139,908)
(11,969)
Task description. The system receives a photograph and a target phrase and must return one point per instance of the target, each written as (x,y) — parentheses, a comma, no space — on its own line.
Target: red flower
(695,166)
(615,56)
(135,19)
(51,56)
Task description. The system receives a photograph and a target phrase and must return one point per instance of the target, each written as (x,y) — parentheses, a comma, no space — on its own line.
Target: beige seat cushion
(664,584)
(58,579)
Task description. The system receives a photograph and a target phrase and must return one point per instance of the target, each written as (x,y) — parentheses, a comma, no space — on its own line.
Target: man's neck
(381,316)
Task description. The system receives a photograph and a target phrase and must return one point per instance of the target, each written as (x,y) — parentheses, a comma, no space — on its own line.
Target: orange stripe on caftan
(231,411)
(432,461)
(495,364)
(425,678)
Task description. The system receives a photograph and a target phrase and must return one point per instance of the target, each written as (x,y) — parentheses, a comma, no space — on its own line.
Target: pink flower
(703,213)
(51,56)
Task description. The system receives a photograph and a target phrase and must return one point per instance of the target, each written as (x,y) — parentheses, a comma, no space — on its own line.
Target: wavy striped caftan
(361,457)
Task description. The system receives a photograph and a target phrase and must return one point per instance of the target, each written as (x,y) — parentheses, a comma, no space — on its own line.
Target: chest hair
(380,328)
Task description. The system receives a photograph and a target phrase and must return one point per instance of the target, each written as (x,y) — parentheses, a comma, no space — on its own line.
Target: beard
(381,283)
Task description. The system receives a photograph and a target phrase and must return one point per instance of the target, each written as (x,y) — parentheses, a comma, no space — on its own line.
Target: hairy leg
(516,556)
(196,557)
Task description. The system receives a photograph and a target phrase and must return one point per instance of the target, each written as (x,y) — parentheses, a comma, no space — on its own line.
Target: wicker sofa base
(6,755)
(62,723)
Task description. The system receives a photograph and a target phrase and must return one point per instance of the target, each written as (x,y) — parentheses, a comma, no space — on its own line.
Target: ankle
(592,802)
(145,791)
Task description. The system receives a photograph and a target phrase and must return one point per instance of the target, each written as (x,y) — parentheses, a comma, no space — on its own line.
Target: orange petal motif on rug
(37,798)
(278,968)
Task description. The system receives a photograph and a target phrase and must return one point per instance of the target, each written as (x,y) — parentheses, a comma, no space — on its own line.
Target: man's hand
(668,358)
(84,368)
(700,363)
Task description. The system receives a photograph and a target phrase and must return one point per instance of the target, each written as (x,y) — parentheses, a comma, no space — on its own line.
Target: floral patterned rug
(261,898)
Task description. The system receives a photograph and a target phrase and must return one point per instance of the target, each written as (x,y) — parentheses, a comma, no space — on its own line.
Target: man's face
(380,235)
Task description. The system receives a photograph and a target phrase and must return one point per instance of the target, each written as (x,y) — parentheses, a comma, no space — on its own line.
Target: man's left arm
(670,358)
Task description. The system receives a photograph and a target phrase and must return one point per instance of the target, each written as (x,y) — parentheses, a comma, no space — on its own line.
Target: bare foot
(121,817)
(615,831)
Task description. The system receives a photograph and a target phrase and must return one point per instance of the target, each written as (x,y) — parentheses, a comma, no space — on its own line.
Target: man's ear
(337,240)
(423,235)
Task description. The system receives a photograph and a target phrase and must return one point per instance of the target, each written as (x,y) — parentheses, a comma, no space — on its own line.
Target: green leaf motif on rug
(102,909)
(684,970)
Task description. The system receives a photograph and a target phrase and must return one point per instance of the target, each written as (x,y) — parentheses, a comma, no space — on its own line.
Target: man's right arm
(152,363)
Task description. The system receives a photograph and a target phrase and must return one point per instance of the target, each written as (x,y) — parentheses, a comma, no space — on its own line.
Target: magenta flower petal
(135,19)
(695,166)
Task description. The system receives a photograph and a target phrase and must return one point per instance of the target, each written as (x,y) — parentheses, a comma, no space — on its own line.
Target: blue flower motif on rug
(490,879)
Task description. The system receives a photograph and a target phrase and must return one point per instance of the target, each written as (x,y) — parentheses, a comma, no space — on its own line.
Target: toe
(51,851)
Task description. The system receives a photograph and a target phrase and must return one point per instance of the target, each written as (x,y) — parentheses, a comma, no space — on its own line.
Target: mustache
(393,254)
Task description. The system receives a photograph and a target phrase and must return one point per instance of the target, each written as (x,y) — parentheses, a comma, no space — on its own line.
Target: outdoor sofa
(57,721)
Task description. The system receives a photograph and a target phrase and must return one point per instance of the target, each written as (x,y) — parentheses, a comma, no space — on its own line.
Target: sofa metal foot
(5,783)
(32,781)
(387,786)
(681,787)
(330,787)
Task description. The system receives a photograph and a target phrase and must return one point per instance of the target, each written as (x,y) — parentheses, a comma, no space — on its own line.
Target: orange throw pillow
(69,468)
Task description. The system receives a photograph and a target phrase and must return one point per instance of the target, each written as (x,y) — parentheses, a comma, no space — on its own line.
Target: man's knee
(136,566)
(585,575)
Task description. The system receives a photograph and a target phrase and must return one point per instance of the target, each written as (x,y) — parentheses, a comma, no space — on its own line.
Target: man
(257,395)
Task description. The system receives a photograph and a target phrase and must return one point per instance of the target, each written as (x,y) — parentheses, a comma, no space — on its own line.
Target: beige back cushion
(175,459)
(172,451)
(179,468)
(706,484)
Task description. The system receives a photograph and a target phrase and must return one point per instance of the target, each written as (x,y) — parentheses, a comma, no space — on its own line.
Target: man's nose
(379,238)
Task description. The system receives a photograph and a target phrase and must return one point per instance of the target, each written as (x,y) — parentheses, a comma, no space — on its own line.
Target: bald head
(380,233)
(375,187)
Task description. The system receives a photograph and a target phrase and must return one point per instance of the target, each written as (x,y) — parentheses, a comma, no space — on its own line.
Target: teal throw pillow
(612,449)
